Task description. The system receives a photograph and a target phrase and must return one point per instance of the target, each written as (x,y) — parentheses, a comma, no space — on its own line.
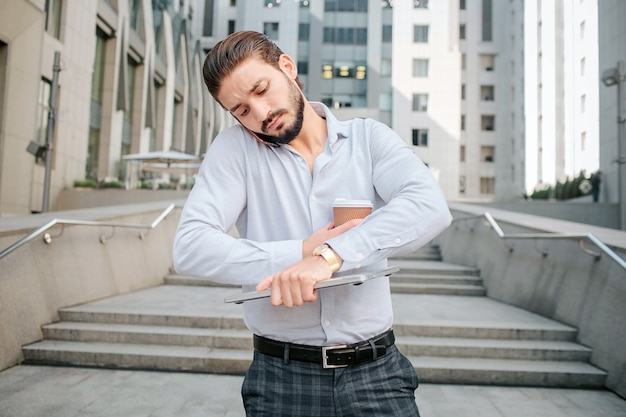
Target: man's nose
(261,112)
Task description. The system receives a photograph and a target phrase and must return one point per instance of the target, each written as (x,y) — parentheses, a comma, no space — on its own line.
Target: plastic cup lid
(344,202)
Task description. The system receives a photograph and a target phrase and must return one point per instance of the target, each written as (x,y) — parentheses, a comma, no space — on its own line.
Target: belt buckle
(325,364)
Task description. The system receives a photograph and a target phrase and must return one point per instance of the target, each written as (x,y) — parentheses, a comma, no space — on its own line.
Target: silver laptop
(351,276)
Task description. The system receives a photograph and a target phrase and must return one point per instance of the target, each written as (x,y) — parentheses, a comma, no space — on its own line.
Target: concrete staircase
(450,338)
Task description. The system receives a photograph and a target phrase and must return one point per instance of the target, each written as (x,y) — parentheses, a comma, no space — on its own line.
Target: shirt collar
(335,128)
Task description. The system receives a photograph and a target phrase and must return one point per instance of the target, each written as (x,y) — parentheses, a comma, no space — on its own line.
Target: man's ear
(287,65)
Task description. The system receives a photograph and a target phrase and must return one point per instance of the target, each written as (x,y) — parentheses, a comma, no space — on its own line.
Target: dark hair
(234,49)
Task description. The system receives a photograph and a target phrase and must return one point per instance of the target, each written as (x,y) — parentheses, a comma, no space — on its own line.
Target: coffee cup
(345,210)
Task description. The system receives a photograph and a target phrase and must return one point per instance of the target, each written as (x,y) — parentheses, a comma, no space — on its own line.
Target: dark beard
(291,132)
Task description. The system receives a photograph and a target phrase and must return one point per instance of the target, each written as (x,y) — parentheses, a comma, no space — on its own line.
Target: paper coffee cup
(345,210)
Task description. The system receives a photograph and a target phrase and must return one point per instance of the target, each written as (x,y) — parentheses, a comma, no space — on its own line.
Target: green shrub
(85,183)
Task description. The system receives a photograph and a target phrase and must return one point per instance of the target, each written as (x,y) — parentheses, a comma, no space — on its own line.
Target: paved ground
(41,391)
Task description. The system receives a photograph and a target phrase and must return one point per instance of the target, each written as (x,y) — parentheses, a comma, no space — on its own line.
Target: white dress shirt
(269,194)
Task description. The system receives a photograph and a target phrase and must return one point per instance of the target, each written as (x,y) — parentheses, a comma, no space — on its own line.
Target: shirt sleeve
(203,246)
(414,211)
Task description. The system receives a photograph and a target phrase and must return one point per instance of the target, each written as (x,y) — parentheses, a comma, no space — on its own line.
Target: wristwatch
(329,255)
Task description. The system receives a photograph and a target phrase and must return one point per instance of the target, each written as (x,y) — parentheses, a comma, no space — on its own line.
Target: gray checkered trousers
(383,388)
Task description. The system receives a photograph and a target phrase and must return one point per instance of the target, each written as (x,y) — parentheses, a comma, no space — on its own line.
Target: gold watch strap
(329,255)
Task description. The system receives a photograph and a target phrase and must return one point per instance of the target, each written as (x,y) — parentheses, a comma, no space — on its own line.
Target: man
(274,177)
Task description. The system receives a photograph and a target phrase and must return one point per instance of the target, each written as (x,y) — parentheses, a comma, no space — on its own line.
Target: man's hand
(294,285)
(325,233)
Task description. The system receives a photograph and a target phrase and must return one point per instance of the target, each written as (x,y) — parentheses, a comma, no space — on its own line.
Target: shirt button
(359,255)
(327,322)
(313,198)
(398,241)
(299,159)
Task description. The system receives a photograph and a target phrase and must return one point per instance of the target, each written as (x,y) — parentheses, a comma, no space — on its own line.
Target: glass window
(487,153)
(462,153)
(487,122)
(420,67)
(303,32)
(462,31)
(462,5)
(270,29)
(487,185)
(487,21)
(487,92)
(384,102)
(43,108)
(420,33)
(54,9)
(385,67)
(487,62)
(303,67)
(420,102)
(420,137)
(387,33)
(345,5)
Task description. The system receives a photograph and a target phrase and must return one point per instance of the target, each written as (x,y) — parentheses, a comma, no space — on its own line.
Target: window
(487,185)
(420,137)
(463,61)
(462,122)
(487,153)
(387,33)
(462,31)
(420,33)
(385,67)
(43,108)
(487,21)
(420,67)
(345,36)
(304,30)
(462,91)
(420,102)
(462,153)
(344,69)
(462,184)
(339,101)
(270,29)
(462,5)
(487,62)
(134,14)
(487,92)
(420,4)
(487,123)
(345,5)
(303,67)
(384,102)
(53,17)
(231,26)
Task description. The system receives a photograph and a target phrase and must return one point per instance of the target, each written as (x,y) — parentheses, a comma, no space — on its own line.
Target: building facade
(129,80)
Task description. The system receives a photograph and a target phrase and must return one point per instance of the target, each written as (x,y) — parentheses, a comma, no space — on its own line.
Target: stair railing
(47,238)
(581,237)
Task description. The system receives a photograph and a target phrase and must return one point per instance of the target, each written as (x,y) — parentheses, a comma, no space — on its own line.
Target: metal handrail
(574,236)
(48,239)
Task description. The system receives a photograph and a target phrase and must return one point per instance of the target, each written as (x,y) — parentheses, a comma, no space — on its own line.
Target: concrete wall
(580,210)
(38,278)
(566,284)
(76,198)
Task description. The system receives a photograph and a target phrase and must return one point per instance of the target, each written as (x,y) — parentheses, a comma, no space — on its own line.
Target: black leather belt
(328,356)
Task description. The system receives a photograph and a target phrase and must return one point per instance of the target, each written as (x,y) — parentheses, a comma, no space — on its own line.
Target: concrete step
(457,279)
(174,279)
(413,267)
(479,371)
(242,339)
(426,253)
(439,289)
(142,334)
(538,350)
(139,356)
(431,369)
